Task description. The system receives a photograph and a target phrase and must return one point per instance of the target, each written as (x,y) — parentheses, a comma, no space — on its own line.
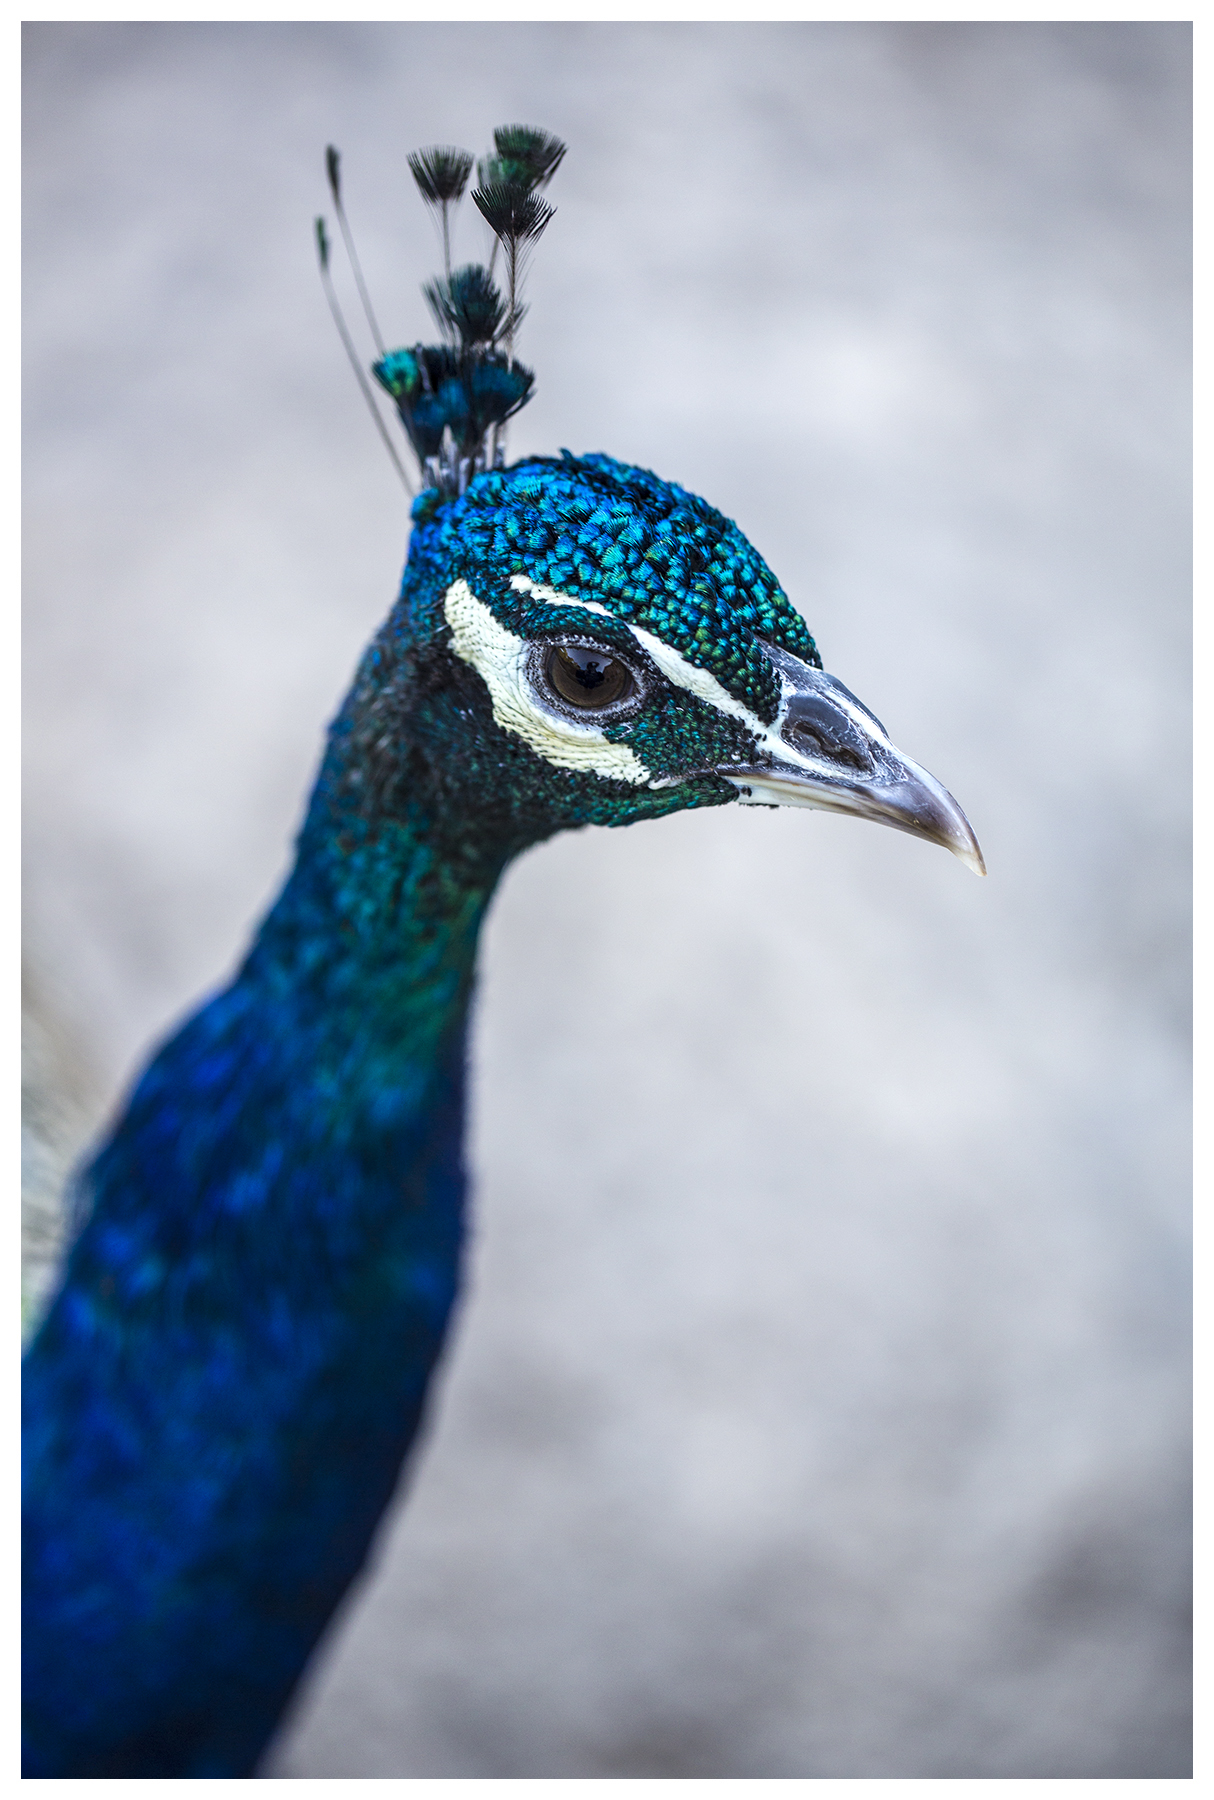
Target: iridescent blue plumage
(221,1397)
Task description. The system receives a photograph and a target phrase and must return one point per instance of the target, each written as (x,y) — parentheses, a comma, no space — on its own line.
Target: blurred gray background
(818,1402)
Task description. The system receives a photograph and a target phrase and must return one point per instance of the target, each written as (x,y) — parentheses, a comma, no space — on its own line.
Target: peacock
(224,1389)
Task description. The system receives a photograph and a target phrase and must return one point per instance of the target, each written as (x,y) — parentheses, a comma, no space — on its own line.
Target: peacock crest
(455,397)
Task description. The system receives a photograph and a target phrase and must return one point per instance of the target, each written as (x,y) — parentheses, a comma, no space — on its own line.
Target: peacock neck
(261,1294)
(370,948)
(326,1083)
(373,939)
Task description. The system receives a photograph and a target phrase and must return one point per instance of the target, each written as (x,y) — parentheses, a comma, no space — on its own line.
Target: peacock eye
(587,677)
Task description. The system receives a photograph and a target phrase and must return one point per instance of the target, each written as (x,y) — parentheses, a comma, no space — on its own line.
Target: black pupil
(586,676)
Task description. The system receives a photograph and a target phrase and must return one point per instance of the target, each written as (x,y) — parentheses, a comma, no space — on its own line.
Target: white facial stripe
(674,667)
(499,658)
(523,584)
(699,682)
(706,687)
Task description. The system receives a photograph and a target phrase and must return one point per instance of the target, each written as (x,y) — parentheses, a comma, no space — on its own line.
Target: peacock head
(621,651)
(589,644)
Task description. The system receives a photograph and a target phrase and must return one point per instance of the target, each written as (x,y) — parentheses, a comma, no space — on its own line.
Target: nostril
(812,742)
(817,730)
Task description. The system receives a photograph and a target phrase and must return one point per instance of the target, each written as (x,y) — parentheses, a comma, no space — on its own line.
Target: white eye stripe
(500,658)
(706,687)
(523,584)
(688,676)
(697,681)
(674,667)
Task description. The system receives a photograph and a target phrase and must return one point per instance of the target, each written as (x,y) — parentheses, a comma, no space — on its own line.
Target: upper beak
(825,749)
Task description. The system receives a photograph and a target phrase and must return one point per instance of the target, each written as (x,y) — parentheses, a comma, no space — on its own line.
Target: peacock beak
(826,750)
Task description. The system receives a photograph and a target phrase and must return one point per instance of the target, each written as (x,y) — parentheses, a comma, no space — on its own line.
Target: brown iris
(587,677)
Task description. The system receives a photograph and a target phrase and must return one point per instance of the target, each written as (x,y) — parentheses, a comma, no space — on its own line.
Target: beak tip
(969,851)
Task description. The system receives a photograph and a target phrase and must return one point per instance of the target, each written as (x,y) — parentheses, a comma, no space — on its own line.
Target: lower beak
(826,750)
